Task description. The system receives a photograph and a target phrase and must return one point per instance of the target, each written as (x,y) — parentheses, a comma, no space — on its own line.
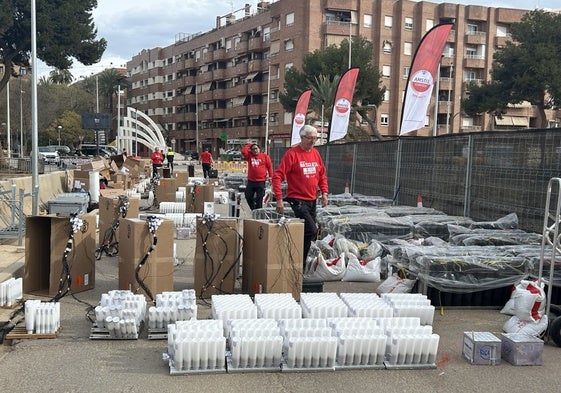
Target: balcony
(219,54)
(474,61)
(476,37)
(342,4)
(500,42)
(255,44)
(219,74)
(255,109)
(256,88)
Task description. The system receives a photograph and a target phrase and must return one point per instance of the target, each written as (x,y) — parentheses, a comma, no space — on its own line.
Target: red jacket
(157,158)
(206,157)
(303,171)
(258,165)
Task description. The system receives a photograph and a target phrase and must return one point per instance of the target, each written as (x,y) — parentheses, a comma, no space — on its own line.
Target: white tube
(30,313)
(94,186)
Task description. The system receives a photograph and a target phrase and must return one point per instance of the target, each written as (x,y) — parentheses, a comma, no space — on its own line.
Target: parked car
(105,151)
(62,149)
(49,154)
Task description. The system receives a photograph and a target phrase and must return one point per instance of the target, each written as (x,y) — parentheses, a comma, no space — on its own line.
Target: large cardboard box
(164,172)
(135,239)
(46,239)
(272,257)
(165,191)
(482,348)
(196,196)
(156,273)
(109,211)
(217,256)
(521,350)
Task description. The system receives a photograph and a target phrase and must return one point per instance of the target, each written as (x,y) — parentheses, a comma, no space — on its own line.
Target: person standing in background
(169,157)
(157,159)
(304,171)
(259,165)
(206,161)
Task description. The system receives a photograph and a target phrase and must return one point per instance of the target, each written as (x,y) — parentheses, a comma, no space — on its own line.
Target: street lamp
(59,128)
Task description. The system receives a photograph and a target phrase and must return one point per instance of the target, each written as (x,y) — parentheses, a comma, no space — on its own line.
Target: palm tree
(60,77)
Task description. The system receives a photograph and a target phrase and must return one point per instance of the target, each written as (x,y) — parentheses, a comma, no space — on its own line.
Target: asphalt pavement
(73,362)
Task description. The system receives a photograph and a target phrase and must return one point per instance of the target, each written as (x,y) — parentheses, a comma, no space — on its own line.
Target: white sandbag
(328,269)
(344,245)
(395,284)
(366,270)
(527,301)
(530,328)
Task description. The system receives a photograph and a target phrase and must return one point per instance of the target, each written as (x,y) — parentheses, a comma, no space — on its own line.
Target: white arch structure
(139,128)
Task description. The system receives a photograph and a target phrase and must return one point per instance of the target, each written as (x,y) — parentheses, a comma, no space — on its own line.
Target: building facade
(221,87)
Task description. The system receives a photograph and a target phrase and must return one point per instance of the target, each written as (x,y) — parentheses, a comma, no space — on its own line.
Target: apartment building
(221,87)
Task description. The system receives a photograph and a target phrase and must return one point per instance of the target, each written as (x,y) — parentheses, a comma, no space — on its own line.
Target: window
(472,28)
(407,48)
(502,31)
(387,47)
(386,71)
(288,45)
(471,52)
(387,96)
(288,66)
(429,24)
(408,23)
(388,21)
(384,119)
(290,19)
(287,117)
(266,34)
(367,20)
(406,72)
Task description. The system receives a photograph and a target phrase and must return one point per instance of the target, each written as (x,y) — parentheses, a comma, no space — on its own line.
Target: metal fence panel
(484,175)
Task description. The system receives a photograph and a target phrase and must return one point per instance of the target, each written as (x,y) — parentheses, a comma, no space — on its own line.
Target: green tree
(70,131)
(65,32)
(61,77)
(321,71)
(526,69)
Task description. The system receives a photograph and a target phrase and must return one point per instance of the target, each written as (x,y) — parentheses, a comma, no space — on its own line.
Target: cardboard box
(217,256)
(109,211)
(182,178)
(46,238)
(81,180)
(196,196)
(521,349)
(482,348)
(157,271)
(156,275)
(272,257)
(165,191)
(135,239)
(97,164)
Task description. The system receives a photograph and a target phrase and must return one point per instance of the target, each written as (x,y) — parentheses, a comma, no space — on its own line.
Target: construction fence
(484,175)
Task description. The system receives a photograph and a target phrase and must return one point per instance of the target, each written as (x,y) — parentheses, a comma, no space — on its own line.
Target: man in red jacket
(157,159)
(259,165)
(206,161)
(303,169)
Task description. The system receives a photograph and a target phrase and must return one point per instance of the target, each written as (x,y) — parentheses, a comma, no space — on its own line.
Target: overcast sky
(132,25)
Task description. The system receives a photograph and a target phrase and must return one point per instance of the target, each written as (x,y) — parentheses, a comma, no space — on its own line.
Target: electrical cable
(153,224)
(65,280)
(216,233)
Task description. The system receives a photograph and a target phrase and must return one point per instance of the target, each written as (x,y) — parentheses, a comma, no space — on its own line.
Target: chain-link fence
(482,175)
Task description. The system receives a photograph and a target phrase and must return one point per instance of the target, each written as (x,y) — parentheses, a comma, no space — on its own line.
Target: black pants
(305,210)
(254,193)
(206,168)
(155,169)
(170,165)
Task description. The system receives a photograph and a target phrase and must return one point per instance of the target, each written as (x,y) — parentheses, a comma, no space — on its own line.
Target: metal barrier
(14,222)
(483,175)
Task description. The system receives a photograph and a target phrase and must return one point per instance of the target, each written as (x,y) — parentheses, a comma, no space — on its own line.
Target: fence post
(467,192)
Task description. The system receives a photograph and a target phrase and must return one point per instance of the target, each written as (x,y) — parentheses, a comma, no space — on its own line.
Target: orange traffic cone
(419,201)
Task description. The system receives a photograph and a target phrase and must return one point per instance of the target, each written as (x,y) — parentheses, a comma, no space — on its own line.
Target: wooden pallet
(19,333)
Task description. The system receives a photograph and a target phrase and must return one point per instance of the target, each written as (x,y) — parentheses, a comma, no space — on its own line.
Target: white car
(49,154)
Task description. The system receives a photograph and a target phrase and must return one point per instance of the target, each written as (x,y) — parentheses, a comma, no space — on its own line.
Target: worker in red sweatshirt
(259,166)
(305,174)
